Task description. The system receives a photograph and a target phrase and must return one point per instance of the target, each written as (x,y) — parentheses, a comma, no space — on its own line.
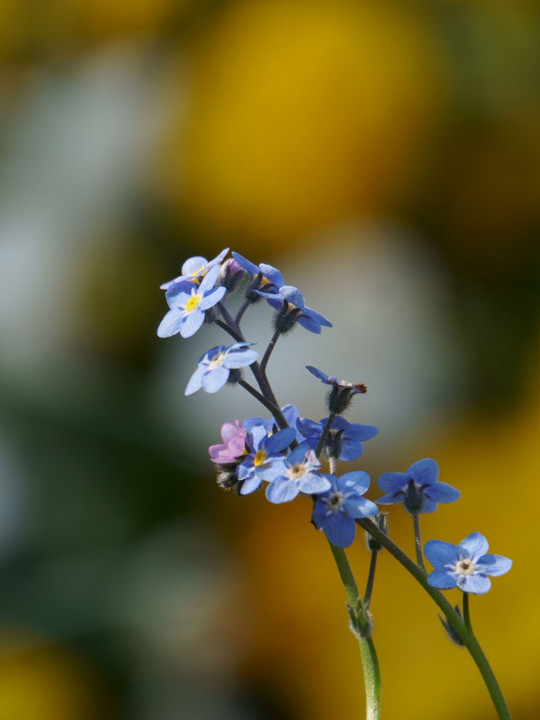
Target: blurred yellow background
(386,157)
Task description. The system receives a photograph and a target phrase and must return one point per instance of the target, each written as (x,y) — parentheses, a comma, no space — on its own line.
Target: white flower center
(216,361)
(335,501)
(464,567)
(296,471)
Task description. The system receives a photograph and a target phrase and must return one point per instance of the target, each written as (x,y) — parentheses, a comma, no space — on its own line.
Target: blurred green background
(386,157)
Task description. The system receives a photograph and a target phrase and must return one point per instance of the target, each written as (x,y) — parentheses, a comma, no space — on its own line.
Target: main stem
(370,663)
(454,619)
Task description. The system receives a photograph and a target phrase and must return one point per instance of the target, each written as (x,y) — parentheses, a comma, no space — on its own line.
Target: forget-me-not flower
(298,472)
(289,412)
(188,303)
(344,440)
(215,366)
(290,300)
(195,268)
(336,510)
(263,449)
(418,489)
(270,277)
(234,444)
(341,385)
(466,565)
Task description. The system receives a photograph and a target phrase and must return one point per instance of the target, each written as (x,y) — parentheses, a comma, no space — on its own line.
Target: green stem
(269,349)
(454,619)
(418,541)
(370,663)
(371,578)
(324,434)
(467,612)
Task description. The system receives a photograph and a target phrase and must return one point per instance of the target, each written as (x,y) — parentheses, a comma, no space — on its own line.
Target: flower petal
(179,293)
(246,264)
(339,529)
(250,485)
(214,380)
(191,322)
(212,298)
(389,499)
(309,324)
(442,578)
(392,482)
(209,280)
(313,482)
(442,493)
(439,553)
(475,584)
(195,381)
(318,373)
(171,323)
(316,317)
(358,480)
(424,472)
(280,440)
(241,357)
(320,509)
(360,507)
(475,545)
(281,491)
(494,565)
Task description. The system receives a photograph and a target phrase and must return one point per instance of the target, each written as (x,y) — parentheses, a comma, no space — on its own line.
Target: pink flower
(234,444)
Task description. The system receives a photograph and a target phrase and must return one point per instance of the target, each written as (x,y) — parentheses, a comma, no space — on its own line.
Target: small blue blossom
(336,510)
(344,441)
(291,415)
(263,449)
(195,268)
(215,366)
(342,385)
(298,472)
(465,566)
(290,301)
(418,489)
(188,303)
(270,277)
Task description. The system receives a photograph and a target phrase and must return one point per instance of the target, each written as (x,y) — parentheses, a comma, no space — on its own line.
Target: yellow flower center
(260,458)
(192,303)
(195,273)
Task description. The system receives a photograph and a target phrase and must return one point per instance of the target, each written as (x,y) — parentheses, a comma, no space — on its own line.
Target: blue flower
(342,385)
(336,510)
(263,449)
(290,301)
(195,268)
(344,441)
(270,277)
(291,415)
(294,474)
(188,303)
(341,393)
(465,566)
(215,366)
(418,488)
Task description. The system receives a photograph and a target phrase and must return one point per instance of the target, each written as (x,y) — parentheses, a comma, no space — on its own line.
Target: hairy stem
(454,619)
(370,663)
(418,541)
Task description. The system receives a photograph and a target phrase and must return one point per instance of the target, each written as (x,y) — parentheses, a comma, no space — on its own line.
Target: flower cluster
(291,455)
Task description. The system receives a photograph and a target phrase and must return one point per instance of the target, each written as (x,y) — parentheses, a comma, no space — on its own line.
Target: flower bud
(450,632)
(230,274)
(381,521)
(285,319)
